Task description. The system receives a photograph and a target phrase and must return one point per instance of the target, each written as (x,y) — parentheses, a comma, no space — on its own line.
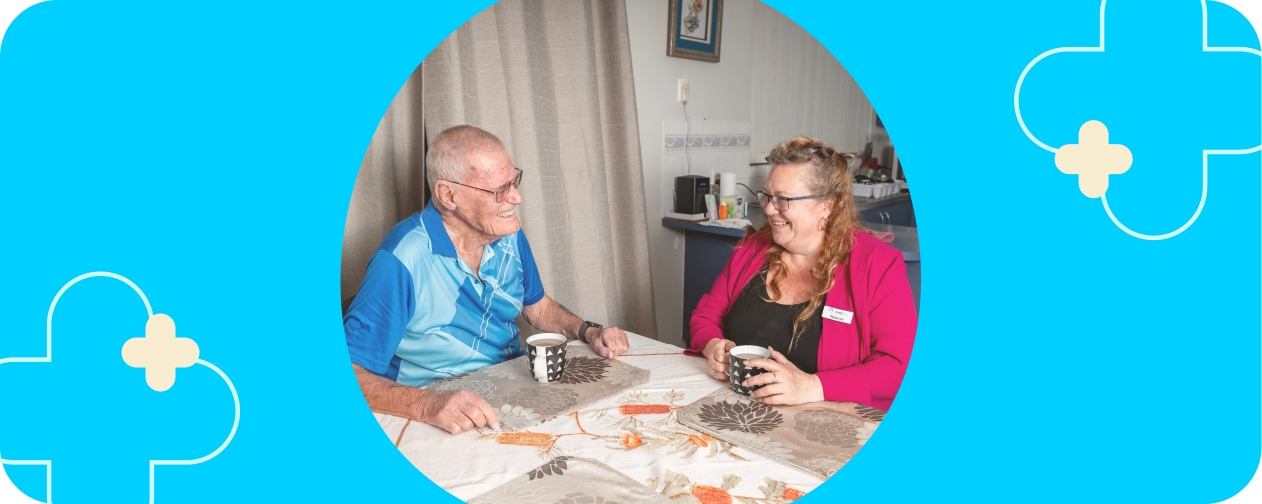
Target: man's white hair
(448,156)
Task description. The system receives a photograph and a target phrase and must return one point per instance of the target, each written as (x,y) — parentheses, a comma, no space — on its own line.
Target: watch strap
(582,330)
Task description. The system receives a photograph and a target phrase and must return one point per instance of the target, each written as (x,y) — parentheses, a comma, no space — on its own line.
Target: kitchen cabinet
(897,214)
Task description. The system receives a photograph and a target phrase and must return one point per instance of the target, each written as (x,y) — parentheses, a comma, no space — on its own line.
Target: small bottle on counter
(722,210)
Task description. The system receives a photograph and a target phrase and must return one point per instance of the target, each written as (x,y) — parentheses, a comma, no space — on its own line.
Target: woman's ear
(828,205)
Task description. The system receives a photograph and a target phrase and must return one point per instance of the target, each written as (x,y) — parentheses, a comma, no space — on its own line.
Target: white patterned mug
(737,369)
(545,356)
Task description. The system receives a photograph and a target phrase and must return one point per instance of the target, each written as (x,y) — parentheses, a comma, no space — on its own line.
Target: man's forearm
(549,316)
(388,396)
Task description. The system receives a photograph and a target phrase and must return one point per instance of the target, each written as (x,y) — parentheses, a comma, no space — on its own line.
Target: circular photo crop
(630,251)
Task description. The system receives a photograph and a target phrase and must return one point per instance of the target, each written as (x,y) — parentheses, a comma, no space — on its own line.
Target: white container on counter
(875,190)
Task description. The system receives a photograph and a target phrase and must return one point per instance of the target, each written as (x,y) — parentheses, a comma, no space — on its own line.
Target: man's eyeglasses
(500,193)
(781,202)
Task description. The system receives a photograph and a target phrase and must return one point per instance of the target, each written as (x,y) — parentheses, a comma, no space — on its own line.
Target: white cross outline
(236,419)
(1016,104)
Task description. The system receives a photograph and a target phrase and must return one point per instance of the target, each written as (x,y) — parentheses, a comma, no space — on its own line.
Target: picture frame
(694,29)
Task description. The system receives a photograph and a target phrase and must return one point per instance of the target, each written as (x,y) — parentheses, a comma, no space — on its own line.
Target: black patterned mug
(545,356)
(737,369)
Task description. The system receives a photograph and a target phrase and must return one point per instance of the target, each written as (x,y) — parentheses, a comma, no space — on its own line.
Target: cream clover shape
(1093,159)
(160,352)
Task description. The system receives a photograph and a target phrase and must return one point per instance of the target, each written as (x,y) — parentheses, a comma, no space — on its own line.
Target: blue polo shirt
(422,314)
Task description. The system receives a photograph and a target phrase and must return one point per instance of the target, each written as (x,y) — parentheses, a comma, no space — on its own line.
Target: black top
(754,321)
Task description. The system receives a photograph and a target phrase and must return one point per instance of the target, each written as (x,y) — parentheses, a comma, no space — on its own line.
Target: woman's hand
(786,384)
(715,353)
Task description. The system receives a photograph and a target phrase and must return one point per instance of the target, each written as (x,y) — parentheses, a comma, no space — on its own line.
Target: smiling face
(797,229)
(490,170)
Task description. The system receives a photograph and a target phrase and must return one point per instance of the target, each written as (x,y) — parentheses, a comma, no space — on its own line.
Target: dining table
(636,432)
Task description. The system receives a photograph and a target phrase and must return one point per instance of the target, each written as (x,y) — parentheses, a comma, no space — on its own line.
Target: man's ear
(445,195)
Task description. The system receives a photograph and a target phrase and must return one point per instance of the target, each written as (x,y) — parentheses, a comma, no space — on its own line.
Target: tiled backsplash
(715,147)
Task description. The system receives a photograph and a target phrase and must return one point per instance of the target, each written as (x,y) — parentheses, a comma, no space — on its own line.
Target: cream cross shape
(160,352)
(1093,159)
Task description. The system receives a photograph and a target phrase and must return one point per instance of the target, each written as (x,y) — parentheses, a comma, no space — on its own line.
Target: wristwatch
(583,330)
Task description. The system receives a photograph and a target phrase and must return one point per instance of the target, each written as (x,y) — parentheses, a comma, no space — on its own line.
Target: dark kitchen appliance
(690,191)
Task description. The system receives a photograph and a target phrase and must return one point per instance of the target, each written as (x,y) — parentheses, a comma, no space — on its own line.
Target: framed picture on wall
(694,28)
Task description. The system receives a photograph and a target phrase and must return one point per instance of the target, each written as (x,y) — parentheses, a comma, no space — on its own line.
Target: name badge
(842,316)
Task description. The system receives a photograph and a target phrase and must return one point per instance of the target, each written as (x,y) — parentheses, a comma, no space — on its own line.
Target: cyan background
(207,151)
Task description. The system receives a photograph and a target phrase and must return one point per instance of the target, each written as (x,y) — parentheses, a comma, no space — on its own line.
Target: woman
(813,283)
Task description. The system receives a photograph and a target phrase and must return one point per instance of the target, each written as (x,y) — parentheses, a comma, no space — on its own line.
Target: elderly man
(440,294)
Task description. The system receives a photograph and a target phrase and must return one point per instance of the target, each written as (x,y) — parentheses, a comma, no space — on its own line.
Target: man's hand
(456,411)
(549,316)
(609,342)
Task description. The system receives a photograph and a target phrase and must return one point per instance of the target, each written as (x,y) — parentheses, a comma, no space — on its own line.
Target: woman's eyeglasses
(500,193)
(781,202)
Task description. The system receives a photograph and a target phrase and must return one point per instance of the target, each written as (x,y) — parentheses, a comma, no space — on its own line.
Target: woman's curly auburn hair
(828,178)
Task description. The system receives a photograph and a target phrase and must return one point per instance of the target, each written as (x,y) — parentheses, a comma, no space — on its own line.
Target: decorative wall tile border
(706,142)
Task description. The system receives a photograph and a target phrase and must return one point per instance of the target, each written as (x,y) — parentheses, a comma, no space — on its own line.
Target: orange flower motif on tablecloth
(644,409)
(630,440)
(711,495)
(678,488)
(546,443)
(631,432)
(524,438)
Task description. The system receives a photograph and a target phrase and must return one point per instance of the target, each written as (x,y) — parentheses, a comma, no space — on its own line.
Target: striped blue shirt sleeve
(533,291)
(376,320)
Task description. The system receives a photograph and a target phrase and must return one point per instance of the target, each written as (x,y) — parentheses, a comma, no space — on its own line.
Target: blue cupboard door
(898,214)
(874,216)
(705,255)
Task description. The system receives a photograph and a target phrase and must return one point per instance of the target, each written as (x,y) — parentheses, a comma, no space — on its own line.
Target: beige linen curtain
(390,185)
(553,80)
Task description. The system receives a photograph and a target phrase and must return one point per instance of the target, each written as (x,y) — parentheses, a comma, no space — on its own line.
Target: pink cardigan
(863,361)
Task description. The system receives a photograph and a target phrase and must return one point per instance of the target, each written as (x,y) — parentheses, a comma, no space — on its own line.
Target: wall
(774,81)
(797,87)
(720,92)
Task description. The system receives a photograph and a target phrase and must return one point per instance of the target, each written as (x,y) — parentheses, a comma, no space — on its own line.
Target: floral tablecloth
(637,433)
(571,480)
(521,402)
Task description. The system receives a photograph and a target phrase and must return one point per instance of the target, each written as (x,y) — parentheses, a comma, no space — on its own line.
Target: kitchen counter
(905,238)
(865,204)
(707,248)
